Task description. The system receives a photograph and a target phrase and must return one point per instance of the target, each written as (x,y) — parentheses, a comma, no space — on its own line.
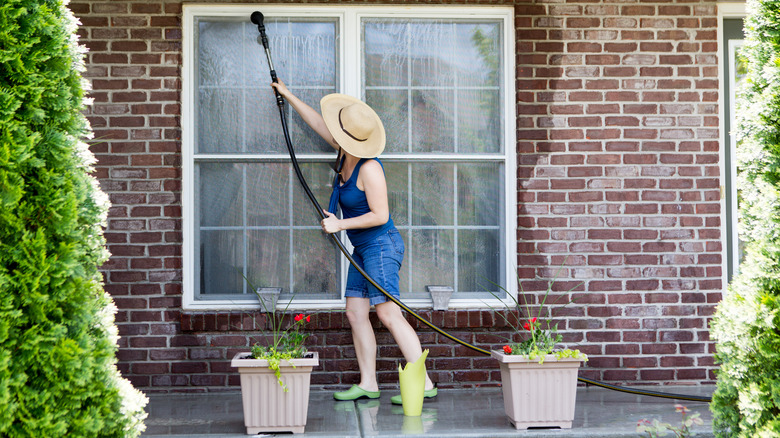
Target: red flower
(308,318)
(533,320)
(507,349)
(298,317)
(527,326)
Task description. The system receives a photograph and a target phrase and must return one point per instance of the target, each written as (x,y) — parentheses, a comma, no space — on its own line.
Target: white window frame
(349,83)
(727,10)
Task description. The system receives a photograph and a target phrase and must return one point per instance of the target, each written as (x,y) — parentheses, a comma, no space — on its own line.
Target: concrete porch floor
(454,413)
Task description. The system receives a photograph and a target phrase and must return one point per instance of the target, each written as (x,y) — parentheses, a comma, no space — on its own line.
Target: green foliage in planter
(58,375)
(746,325)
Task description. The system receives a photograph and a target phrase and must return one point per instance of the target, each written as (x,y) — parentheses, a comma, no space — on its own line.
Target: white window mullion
(351,67)
(455,117)
(291,196)
(244,225)
(409,93)
(455,225)
(409,250)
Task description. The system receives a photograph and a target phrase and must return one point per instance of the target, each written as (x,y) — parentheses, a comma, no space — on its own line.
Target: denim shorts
(381,258)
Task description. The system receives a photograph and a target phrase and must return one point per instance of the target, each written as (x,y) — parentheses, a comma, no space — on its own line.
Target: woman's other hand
(330,224)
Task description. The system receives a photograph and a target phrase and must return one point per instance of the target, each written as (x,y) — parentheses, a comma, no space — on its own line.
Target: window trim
(730,214)
(349,83)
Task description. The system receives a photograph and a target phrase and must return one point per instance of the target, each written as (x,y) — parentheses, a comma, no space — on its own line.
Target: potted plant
(539,382)
(275,378)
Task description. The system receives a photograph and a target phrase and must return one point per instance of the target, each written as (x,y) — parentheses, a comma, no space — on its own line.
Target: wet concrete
(454,413)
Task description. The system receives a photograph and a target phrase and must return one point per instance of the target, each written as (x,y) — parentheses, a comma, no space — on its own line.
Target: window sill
(241,321)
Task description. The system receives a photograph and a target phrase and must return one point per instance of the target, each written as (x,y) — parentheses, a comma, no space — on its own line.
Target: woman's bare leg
(364,341)
(390,315)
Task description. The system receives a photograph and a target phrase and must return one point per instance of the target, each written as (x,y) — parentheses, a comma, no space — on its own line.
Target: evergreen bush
(58,375)
(746,325)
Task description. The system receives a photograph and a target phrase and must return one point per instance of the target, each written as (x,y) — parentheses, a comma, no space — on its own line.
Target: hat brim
(373,146)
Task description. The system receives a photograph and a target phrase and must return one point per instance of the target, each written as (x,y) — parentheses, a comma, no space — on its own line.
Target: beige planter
(267,408)
(538,395)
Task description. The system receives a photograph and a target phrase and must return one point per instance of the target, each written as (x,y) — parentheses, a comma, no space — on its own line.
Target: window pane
(479,256)
(268,259)
(304,139)
(432,121)
(268,194)
(479,194)
(397,176)
(220,58)
(315,265)
(304,50)
(220,258)
(219,121)
(220,195)
(432,194)
(432,53)
(405,272)
(319,176)
(433,259)
(386,45)
(262,124)
(479,122)
(479,54)
(220,53)
(393,109)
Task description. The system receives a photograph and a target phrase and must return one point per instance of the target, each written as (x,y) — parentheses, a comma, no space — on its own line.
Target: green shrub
(746,325)
(58,375)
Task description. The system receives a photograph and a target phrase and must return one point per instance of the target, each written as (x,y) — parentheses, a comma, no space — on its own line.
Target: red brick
(676,10)
(583,47)
(602,59)
(620,47)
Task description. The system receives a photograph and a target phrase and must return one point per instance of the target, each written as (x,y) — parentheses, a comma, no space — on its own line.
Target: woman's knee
(390,314)
(357,313)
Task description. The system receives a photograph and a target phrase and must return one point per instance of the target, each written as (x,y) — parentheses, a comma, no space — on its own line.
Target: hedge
(746,325)
(58,374)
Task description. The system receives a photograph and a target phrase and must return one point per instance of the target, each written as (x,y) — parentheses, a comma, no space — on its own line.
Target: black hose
(257,18)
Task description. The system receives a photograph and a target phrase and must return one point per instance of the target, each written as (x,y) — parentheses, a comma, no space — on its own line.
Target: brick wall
(618,197)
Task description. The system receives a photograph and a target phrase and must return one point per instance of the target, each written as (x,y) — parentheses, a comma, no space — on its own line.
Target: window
(440,79)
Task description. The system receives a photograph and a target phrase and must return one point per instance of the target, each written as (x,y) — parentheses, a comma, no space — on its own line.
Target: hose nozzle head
(257,18)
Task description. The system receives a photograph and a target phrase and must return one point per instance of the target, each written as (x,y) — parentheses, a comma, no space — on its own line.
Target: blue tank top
(353,203)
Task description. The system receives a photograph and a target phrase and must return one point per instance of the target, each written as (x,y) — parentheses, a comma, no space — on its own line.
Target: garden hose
(257,18)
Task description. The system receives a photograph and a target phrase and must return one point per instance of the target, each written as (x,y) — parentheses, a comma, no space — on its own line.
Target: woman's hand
(281,88)
(307,113)
(331,223)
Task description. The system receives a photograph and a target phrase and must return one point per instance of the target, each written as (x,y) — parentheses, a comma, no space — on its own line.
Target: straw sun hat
(355,126)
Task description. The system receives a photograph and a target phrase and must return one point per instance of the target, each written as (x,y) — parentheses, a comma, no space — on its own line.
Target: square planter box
(267,408)
(538,395)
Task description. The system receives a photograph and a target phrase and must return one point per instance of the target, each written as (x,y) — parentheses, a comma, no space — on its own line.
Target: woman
(355,130)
